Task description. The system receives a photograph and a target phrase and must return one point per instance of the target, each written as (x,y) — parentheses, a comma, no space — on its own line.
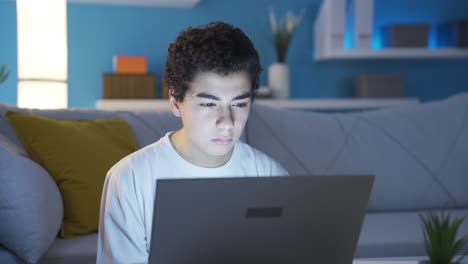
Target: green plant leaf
(427,234)
(440,234)
(453,230)
(3,73)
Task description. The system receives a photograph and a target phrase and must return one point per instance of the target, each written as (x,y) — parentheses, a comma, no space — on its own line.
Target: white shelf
(293,104)
(162,3)
(395,53)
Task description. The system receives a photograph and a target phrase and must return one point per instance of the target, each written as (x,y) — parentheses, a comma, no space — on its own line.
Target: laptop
(259,220)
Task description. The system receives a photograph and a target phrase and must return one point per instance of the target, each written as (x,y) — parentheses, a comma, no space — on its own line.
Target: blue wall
(8,50)
(98,32)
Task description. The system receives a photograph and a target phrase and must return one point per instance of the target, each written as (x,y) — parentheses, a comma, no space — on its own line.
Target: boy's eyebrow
(243,96)
(210,96)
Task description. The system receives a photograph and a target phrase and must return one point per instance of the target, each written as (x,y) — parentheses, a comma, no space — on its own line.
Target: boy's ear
(174,106)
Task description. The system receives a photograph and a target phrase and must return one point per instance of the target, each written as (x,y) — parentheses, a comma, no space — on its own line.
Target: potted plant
(283,31)
(440,238)
(3,73)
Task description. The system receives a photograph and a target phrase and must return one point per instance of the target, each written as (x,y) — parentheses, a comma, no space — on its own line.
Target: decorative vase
(278,80)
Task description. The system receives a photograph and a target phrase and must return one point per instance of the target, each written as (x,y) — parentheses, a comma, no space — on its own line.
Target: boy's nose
(225,120)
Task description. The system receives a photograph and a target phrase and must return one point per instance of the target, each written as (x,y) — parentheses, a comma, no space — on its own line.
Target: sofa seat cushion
(81,249)
(396,234)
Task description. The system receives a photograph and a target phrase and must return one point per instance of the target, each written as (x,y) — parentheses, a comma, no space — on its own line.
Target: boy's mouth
(222,141)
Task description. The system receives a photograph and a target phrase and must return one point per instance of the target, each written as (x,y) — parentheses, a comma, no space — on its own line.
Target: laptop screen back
(269,220)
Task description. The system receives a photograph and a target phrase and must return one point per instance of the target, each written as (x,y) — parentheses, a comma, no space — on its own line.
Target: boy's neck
(189,152)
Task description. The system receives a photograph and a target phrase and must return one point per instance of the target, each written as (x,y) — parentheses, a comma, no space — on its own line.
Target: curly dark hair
(217,47)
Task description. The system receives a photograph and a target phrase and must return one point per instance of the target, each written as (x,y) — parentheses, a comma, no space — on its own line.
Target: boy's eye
(240,105)
(208,104)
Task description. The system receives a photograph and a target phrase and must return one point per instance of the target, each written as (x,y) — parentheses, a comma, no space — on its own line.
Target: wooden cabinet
(128,86)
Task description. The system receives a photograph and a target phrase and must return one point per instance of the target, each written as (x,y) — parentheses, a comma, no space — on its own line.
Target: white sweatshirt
(127,204)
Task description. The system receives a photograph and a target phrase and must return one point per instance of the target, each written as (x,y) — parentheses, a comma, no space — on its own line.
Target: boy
(212,73)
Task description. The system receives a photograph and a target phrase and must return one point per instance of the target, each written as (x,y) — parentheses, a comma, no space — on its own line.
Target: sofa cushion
(8,257)
(12,147)
(416,151)
(147,126)
(31,208)
(397,234)
(77,154)
(79,250)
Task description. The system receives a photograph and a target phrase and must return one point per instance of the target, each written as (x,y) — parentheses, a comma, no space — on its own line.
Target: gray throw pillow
(31,208)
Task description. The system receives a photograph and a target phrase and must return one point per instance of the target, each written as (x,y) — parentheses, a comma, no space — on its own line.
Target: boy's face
(214,113)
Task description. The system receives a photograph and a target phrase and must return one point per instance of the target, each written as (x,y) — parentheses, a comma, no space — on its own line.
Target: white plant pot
(278,80)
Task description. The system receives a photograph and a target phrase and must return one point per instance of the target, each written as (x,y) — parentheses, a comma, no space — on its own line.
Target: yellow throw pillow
(77,154)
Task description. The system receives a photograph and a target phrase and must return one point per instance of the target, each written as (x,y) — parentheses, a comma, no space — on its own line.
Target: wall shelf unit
(329,39)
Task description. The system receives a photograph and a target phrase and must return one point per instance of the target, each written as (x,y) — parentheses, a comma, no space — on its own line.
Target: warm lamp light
(42,95)
(42,53)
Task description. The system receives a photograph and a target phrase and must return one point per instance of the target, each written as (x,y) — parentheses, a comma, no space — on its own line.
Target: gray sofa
(418,152)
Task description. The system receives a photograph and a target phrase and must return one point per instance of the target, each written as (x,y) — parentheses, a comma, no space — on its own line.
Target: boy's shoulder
(248,151)
(139,159)
(252,152)
(262,160)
